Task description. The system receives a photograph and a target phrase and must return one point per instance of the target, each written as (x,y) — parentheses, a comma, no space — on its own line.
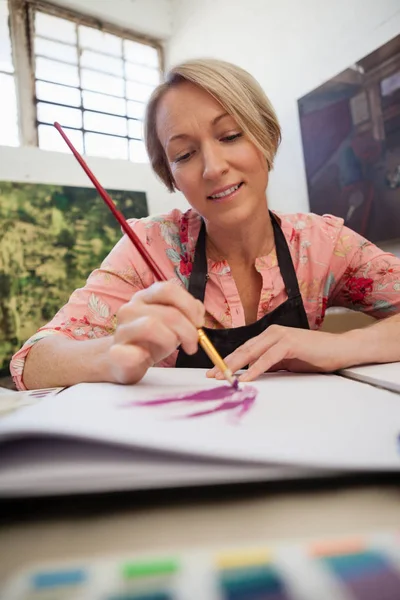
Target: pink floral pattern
(334,266)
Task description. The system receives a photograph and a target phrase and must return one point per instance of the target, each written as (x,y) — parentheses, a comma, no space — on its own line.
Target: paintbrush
(204,342)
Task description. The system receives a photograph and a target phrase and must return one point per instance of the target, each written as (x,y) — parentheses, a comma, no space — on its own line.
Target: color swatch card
(367,569)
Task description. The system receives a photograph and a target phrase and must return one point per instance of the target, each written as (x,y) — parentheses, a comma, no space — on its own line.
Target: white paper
(386,376)
(61,466)
(310,421)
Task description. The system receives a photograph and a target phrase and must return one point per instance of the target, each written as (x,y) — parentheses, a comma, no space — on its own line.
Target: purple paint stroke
(241,399)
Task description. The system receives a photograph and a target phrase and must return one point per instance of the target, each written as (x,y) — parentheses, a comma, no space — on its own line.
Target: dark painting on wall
(51,238)
(350,130)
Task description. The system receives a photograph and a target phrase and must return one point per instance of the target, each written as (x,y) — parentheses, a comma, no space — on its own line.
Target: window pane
(141,53)
(137,151)
(58,93)
(135,129)
(136,109)
(57,72)
(67,117)
(50,139)
(138,91)
(105,123)
(98,40)
(142,74)
(56,51)
(390,84)
(8,114)
(106,145)
(104,103)
(109,64)
(55,28)
(97,82)
(6,63)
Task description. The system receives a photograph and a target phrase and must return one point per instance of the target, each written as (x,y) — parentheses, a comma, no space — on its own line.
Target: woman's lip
(240,184)
(220,190)
(229,196)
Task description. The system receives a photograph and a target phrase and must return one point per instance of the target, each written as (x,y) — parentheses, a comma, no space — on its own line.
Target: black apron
(290,313)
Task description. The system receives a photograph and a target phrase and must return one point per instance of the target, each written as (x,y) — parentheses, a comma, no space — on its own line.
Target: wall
(40,166)
(152,17)
(291,47)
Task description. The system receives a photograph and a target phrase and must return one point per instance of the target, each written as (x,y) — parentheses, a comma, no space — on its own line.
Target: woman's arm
(377,343)
(362,277)
(57,361)
(149,328)
(116,326)
(302,350)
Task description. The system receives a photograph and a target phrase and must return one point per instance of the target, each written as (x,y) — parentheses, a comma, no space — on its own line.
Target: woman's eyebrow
(219,117)
(180,136)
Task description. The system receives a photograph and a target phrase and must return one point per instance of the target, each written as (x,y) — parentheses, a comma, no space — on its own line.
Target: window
(8,114)
(94,80)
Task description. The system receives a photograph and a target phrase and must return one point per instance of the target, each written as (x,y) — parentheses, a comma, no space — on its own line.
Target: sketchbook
(104,437)
(386,376)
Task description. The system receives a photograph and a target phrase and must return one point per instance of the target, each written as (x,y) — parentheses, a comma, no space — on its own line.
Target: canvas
(51,238)
(350,130)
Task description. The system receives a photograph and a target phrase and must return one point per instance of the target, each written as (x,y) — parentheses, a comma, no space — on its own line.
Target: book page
(320,421)
(386,376)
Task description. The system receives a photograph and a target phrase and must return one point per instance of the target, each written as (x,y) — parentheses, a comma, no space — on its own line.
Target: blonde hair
(238,93)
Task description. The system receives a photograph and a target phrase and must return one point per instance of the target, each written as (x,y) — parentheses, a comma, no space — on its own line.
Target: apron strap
(198,276)
(285,263)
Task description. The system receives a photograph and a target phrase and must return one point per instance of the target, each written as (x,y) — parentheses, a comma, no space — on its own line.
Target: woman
(260,283)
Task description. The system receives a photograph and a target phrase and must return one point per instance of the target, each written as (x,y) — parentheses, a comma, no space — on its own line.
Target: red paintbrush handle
(118,215)
(203,339)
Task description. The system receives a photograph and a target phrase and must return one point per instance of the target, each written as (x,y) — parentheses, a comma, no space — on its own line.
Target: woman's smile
(226,193)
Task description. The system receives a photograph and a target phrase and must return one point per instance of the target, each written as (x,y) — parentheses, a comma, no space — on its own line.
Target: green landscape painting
(51,238)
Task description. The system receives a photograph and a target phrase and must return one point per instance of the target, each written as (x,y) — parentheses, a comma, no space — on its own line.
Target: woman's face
(219,170)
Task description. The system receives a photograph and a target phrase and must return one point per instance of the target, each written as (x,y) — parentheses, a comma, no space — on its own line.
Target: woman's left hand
(292,349)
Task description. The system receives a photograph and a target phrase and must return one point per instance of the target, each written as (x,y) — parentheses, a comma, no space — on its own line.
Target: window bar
(21,32)
(126,96)
(79,50)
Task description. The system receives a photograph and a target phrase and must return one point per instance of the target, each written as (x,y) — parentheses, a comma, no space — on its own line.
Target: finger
(149,333)
(216,372)
(248,353)
(146,329)
(268,361)
(169,294)
(184,329)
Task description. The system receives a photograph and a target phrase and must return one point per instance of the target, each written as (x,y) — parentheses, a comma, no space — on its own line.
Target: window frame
(22,32)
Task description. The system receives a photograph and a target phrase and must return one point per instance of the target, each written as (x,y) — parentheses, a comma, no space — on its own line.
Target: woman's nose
(215,163)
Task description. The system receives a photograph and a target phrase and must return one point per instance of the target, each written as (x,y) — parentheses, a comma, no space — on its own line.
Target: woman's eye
(231,138)
(183,157)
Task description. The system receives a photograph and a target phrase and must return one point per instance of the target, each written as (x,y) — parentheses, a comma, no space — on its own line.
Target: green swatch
(133,570)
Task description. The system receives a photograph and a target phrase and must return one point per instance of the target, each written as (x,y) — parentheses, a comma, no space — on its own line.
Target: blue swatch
(259,582)
(52,579)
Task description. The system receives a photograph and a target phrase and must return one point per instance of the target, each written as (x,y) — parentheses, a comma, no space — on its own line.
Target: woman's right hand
(150,327)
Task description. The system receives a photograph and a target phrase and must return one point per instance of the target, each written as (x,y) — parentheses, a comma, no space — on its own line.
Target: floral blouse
(335,267)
